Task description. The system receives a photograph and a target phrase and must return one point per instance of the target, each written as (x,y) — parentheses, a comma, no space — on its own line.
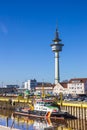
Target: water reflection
(27,123)
(40,124)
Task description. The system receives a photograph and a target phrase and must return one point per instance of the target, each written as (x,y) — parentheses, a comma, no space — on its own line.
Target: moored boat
(44,109)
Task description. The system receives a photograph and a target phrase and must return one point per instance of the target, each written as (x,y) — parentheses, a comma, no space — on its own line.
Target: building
(77,86)
(12,86)
(60,88)
(30,84)
(47,88)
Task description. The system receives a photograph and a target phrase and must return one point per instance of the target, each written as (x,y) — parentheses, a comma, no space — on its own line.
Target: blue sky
(27,28)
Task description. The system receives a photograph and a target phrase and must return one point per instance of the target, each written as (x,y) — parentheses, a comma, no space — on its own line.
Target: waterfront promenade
(7,128)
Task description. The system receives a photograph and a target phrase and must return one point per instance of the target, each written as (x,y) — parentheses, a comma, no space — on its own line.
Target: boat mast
(43,94)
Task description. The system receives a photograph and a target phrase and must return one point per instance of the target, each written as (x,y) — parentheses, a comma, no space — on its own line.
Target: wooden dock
(7,128)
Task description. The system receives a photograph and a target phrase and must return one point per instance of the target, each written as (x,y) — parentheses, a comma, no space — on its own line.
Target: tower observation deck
(56,48)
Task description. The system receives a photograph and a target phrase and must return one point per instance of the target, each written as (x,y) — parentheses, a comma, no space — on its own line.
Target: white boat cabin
(41,105)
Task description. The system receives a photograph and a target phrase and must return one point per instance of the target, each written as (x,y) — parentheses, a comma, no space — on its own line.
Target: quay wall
(12,104)
(78,109)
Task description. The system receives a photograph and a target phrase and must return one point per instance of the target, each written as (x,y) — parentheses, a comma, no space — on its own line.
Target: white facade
(30,84)
(60,89)
(26,85)
(77,86)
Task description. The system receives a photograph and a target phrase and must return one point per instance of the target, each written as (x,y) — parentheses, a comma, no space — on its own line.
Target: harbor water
(27,123)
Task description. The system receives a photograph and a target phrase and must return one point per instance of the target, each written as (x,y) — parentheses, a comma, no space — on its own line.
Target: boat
(44,108)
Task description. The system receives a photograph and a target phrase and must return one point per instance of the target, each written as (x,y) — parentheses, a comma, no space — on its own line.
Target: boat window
(47,103)
(40,103)
(44,109)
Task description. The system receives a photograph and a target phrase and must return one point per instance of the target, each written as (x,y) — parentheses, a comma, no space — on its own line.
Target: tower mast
(56,48)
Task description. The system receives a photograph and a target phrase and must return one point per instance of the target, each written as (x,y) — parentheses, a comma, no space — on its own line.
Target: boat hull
(44,114)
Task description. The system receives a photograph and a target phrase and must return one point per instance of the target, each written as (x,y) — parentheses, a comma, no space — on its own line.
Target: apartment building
(73,86)
(77,86)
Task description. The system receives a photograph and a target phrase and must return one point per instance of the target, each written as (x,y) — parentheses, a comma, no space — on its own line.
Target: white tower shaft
(57,76)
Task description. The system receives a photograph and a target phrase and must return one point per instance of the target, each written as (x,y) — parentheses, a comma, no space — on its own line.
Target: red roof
(80,80)
(64,84)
